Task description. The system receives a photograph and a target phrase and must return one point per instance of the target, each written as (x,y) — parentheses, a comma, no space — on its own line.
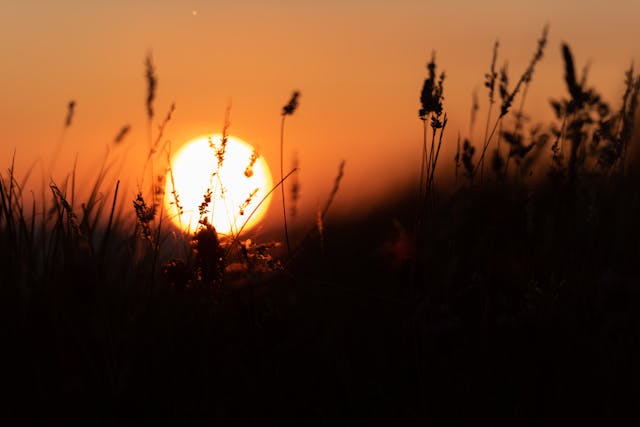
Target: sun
(235,175)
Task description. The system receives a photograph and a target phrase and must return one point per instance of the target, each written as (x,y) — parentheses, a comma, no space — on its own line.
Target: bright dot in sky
(237,186)
(194,12)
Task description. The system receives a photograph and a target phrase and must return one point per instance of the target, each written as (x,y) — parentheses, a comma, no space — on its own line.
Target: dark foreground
(513,307)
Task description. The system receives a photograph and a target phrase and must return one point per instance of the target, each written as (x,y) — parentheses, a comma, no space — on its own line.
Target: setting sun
(236,176)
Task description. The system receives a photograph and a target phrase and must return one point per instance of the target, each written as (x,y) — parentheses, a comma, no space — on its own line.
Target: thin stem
(431,164)
(284,208)
(237,236)
(435,160)
(485,143)
(484,148)
(424,173)
(110,223)
(423,162)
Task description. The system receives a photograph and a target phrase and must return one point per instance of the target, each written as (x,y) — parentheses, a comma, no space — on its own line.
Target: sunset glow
(238,179)
(453,239)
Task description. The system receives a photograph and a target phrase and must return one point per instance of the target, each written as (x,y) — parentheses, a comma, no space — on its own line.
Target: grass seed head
(575,90)
(70,113)
(492,75)
(248,171)
(152,83)
(292,105)
(203,209)
(122,133)
(526,77)
(144,215)
(247,201)
(432,90)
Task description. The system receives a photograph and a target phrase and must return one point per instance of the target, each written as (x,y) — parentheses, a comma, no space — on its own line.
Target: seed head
(291,106)
(431,95)
(70,111)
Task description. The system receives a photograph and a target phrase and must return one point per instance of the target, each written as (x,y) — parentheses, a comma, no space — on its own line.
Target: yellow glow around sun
(237,186)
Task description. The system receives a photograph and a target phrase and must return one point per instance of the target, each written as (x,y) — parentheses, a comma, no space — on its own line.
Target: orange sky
(359,65)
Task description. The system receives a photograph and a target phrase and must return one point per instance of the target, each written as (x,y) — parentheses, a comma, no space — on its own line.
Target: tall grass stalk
(430,113)
(287,110)
(71,111)
(490,83)
(506,95)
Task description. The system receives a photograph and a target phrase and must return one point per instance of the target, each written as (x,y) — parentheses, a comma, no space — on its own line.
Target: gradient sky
(359,64)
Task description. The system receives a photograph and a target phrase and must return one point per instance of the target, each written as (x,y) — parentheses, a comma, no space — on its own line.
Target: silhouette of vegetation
(287,110)
(511,299)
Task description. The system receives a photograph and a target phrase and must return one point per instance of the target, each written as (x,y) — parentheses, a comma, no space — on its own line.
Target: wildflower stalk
(508,97)
(107,232)
(424,170)
(71,110)
(431,98)
(490,83)
(435,160)
(287,110)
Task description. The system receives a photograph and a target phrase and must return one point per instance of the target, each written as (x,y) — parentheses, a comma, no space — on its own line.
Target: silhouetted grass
(287,110)
(514,302)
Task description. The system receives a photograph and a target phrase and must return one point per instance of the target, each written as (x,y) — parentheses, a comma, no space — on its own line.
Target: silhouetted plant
(145,215)
(581,115)
(289,108)
(152,83)
(518,272)
(209,255)
(613,133)
(122,133)
(507,96)
(70,112)
(467,159)
(430,113)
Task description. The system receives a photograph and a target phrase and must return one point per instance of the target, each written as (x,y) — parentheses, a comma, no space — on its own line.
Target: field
(508,295)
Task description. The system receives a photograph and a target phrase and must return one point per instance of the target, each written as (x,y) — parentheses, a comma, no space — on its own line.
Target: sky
(359,66)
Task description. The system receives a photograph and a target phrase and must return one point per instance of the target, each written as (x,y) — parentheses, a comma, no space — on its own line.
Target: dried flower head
(292,105)
(70,112)
(221,150)
(247,202)
(121,134)
(152,83)
(144,215)
(432,90)
(575,89)
(528,73)
(248,171)
(492,75)
(203,208)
